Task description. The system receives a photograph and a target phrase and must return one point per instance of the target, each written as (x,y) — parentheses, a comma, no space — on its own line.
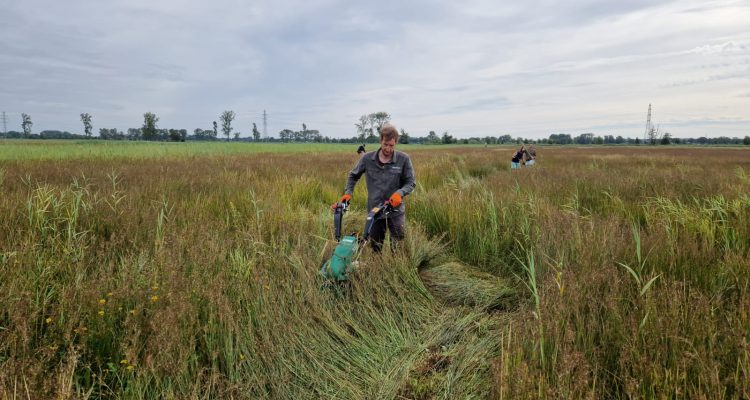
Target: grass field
(154,270)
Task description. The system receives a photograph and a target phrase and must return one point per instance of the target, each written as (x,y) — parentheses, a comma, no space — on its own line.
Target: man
(390,177)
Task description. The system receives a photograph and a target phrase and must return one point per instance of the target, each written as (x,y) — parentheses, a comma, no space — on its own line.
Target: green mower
(348,248)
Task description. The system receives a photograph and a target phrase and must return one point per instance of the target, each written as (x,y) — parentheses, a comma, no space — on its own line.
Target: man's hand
(395,200)
(344,199)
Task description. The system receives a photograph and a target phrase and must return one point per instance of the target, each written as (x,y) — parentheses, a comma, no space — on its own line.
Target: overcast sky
(473,68)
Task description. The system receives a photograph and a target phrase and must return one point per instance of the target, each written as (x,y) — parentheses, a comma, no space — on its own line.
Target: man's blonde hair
(388,132)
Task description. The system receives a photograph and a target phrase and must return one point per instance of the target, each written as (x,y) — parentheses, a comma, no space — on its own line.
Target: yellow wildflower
(155,288)
(101,313)
(102,301)
(130,367)
(124,361)
(48,320)
(242,356)
(109,294)
(154,298)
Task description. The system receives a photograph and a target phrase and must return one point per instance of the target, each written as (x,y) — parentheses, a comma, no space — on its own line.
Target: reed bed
(192,273)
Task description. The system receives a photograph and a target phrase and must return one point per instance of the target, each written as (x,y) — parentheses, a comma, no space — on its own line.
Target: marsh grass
(159,271)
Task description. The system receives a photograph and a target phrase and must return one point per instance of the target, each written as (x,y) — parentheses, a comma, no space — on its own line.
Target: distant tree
(584,138)
(637,141)
(226,119)
(256,133)
(237,135)
(368,126)
(55,134)
(111,134)
(174,135)
(216,131)
(149,129)
(619,140)
(403,138)
(286,135)
(746,141)
(86,119)
(134,134)
(378,119)
(26,124)
(560,138)
(363,127)
(447,139)
(432,138)
(665,139)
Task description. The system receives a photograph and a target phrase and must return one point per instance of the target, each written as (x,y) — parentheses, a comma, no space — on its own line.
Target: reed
(156,270)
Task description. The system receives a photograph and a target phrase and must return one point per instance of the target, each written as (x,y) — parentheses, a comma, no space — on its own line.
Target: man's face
(387,147)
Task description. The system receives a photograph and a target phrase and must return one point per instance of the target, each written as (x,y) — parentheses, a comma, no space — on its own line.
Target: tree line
(367,127)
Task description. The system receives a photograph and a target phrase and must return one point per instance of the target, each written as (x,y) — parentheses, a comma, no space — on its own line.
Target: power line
(5,124)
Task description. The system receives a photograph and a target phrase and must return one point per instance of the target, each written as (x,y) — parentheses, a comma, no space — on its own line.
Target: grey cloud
(325,62)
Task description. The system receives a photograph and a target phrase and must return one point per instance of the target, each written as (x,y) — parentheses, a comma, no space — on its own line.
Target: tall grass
(599,273)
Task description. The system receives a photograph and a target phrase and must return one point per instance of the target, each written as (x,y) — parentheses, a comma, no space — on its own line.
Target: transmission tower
(265,125)
(5,124)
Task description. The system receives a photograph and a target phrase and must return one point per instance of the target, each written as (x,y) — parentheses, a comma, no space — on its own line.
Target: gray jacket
(383,180)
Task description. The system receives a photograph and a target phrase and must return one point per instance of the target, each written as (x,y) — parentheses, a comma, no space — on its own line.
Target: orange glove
(395,200)
(345,198)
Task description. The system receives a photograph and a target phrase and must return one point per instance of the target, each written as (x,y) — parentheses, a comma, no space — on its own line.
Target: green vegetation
(165,270)
(23,150)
